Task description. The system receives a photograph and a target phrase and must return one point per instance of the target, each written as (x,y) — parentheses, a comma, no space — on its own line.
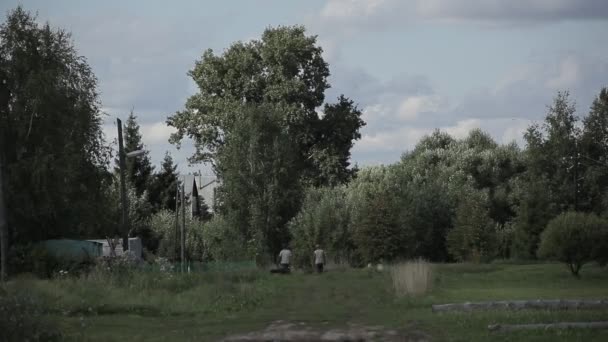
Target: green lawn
(208,306)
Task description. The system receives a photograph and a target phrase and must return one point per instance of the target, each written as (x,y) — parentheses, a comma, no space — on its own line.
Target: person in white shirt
(319,259)
(285,259)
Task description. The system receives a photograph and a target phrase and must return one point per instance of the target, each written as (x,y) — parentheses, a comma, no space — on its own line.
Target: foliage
(574,238)
(593,152)
(52,143)
(473,237)
(223,242)
(164,228)
(261,188)
(22,319)
(376,230)
(163,189)
(139,169)
(138,211)
(255,119)
(285,68)
(323,220)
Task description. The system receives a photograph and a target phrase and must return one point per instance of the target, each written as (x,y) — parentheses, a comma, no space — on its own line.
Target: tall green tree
(139,170)
(594,154)
(284,68)
(260,189)
(279,80)
(553,174)
(51,141)
(163,189)
(473,237)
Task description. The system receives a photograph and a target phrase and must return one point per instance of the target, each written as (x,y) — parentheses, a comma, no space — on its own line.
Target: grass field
(152,306)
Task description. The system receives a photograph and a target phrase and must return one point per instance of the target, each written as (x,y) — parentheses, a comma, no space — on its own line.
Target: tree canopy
(51,143)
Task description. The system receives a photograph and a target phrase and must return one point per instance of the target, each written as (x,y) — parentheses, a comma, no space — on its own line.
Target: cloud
(568,75)
(526,90)
(397,120)
(381,11)
(156,133)
(387,146)
(412,107)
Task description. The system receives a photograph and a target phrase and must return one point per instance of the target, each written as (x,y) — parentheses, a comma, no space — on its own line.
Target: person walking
(285,259)
(319,259)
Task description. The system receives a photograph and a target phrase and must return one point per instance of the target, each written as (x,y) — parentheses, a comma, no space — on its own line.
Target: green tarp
(73,249)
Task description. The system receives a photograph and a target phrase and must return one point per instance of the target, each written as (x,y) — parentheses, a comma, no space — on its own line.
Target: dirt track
(288,331)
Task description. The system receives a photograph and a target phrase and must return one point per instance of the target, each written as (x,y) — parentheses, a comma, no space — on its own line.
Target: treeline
(469,199)
(282,155)
(55,164)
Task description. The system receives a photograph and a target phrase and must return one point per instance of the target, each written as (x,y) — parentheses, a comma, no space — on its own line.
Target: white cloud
(412,107)
(387,146)
(156,133)
(398,140)
(463,10)
(462,128)
(568,75)
(515,131)
(351,8)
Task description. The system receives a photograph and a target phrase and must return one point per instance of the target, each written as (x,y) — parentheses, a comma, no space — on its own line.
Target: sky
(411,66)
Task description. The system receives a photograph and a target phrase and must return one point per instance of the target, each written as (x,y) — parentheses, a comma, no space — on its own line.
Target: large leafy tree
(594,154)
(51,141)
(285,68)
(553,176)
(255,119)
(260,174)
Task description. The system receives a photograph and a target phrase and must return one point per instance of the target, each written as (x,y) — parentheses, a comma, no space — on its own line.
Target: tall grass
(412,278)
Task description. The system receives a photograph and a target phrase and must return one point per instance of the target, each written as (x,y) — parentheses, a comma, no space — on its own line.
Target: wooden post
(123,189)
(183,237)
(175,237)
(3,232)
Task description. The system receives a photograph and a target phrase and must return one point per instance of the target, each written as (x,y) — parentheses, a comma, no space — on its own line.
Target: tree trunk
(3,232)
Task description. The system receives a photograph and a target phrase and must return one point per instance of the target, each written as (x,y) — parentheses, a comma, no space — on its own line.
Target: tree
(473,237)
(285,68)
(260,177)
(163,189)
(551,181)
(279,80)
(574,238)
(51,141)
(323,219)
(139,170)
(336,132)
(594,150)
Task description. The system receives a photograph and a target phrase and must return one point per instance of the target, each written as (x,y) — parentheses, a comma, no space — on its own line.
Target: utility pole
(176,236)
(123,189)
(183,237)
(3,232)
(576,182)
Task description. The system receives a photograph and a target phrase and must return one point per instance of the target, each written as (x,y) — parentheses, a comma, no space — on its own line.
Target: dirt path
(300,332)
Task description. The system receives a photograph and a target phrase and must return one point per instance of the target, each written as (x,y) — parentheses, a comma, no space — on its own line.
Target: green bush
(575,238)
(323,220)
(37,260)
(22,319)
(223,242)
